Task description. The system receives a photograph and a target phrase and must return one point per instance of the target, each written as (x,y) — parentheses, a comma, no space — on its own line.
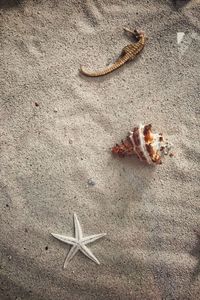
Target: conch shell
(148,146)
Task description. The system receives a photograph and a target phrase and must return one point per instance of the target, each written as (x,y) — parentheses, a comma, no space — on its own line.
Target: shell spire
(148,146)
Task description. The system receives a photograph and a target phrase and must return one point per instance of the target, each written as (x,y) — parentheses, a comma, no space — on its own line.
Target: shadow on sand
(8,4)
(179,3)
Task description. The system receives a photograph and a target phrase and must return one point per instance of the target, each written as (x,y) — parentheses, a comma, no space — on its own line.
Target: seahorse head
(140,35)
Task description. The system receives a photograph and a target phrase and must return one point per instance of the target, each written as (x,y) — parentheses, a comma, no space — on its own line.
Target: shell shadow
(134,178)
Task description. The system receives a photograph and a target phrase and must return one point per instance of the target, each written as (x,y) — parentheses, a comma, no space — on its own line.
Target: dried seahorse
(128,53)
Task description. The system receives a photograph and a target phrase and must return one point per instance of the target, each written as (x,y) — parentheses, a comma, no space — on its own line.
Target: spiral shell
(148,146)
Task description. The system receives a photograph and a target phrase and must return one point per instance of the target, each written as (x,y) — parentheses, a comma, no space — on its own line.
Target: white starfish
(79,242)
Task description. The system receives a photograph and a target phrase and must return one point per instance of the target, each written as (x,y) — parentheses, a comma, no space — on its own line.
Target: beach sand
(57,129)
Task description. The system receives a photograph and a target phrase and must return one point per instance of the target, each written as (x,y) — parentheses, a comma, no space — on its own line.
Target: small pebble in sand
(91,182)
(55,110)
(36,104)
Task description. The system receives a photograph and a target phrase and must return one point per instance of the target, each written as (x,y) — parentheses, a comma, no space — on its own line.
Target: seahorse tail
(121,61)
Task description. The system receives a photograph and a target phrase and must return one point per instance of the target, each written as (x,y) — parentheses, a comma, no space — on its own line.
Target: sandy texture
(56,131)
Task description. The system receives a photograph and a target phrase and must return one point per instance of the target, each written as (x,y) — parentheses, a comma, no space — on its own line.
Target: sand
(56,131)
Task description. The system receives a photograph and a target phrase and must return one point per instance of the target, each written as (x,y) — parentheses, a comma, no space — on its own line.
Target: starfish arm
(85,250)
(89,239)
(74,249)
(78,230)
(65,239)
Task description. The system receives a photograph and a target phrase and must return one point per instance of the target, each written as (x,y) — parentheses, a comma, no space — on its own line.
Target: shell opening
(149,146)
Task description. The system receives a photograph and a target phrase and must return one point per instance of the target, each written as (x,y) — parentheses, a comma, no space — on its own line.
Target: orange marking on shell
(148,146)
